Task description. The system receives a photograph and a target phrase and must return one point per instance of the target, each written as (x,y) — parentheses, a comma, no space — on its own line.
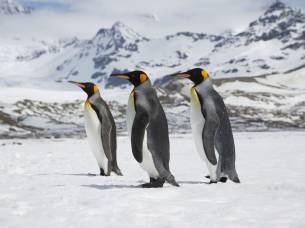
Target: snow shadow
(70,174)
(81,174)
(193,182)
(110,186)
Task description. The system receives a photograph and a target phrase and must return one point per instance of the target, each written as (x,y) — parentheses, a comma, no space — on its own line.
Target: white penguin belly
(147,163)
(197,124)
(93,130)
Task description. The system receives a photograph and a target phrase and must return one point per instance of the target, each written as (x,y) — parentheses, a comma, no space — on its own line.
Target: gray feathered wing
(106,129)
(137,134)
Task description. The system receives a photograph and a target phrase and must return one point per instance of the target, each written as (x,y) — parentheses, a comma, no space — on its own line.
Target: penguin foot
(102,173)
(151,185)
(223,179)
(154,183)
(146,185)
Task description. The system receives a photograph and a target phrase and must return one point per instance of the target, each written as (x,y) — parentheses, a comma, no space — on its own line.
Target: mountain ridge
(13,7)
(274,43)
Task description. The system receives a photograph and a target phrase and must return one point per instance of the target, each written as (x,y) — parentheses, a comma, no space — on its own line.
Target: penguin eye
(143,78)
(204,74)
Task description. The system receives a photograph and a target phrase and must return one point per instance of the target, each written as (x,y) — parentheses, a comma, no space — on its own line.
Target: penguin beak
(123,76)
(78,84)
(182,75)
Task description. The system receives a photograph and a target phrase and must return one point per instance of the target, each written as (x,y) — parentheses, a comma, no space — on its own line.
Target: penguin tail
(117,171)
(234,177)
(171,180)
(166,175)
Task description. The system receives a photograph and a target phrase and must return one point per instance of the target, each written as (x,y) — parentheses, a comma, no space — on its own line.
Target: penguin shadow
(198,182)
(109,186)
(80,174)
(193,182)
(70,174)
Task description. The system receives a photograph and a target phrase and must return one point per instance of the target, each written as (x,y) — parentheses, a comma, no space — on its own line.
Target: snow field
(45,183)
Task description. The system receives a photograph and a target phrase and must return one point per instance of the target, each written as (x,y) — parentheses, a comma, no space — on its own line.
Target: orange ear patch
(95,89)
(143,78)
(204,74)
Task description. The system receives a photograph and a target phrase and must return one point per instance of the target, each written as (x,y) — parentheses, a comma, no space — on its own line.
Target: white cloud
(84,18)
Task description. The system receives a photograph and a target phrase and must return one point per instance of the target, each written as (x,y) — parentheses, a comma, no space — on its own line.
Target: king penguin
(100,129)
(148,130)
(211,127)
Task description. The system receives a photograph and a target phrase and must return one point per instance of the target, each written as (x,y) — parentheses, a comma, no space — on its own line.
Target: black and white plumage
(100,130)
(211,127)
(148,130)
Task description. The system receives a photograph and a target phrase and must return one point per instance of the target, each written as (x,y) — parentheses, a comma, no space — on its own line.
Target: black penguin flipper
(106,130)
(137,134)
(208,139)
(106,139)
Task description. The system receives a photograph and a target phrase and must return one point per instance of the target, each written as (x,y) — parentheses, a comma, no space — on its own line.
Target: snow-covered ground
(45,183)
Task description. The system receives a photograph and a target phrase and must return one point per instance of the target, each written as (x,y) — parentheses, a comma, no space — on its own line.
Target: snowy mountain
(13,7)
(120,48)
(272,44)
(93,58)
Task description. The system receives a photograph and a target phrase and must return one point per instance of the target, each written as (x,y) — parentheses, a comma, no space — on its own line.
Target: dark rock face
(195,36)
(277,5)
(12,7)
(278,22)
(181,55)
(97,75)
(35,55)
(203,62)
(102,61)
(160,82)
(295,46)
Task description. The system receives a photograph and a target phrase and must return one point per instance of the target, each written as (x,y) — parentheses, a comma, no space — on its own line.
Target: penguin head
(87,87)
(196,75)
(134,77)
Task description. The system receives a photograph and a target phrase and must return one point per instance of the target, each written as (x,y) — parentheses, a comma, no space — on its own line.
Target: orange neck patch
(204,74)
(95,89)
(143,78)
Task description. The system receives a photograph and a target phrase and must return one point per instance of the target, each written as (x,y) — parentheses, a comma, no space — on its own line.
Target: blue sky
(83,18)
